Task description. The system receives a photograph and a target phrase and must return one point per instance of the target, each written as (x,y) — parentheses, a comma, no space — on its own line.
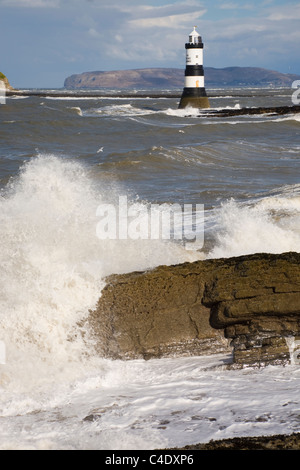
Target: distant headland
(174,78)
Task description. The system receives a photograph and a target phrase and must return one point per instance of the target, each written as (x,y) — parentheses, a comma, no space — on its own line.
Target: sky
(45,41)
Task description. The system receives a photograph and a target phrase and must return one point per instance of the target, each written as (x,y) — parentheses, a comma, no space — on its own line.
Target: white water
(153,405)
(270,225)
(53,267)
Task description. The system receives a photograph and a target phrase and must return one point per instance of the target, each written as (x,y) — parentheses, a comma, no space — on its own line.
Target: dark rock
(258,305)
(275,442)
(275,110)
(184,310)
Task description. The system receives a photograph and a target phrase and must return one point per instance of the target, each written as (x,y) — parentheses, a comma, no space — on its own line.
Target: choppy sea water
(62,157)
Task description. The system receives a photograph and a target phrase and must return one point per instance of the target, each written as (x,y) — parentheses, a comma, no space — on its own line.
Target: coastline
(275,110)
(88,94)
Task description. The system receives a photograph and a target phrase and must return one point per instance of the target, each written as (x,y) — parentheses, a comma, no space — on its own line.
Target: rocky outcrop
(156,313)
(272,110)
(249,305)
(4,79)
(174,78)
(257,302)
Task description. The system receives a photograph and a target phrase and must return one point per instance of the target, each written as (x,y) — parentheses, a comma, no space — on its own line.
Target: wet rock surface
(249,305)
(275,442)
(273,110)
(157,313)
(258,305)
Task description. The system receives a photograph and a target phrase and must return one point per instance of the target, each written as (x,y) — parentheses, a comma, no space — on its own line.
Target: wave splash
(54,268)
(269,225)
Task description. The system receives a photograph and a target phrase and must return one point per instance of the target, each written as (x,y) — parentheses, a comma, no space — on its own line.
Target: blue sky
(44,41)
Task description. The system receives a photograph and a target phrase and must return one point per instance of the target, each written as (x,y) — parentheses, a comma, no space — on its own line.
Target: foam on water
(118,110)
(156,404)
(189,111)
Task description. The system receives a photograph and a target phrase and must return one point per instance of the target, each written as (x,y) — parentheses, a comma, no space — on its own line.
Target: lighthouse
(194,93)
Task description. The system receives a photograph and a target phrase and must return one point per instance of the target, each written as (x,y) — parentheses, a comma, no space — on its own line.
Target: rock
(273,110)
(258,305)
(156,313)
(249,305)
(275,442)
(4,79)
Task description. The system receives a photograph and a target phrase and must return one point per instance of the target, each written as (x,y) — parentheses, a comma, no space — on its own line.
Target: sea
(63,155)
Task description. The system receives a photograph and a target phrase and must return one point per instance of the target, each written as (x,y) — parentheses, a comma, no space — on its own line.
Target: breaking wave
(54,267)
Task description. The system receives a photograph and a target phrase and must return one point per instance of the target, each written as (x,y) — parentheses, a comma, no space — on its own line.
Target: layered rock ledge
(247,305)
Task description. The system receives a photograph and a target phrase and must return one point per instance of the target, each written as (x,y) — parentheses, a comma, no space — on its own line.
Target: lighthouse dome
(194,37)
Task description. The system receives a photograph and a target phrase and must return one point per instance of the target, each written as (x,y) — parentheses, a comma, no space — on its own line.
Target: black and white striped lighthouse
(194,93)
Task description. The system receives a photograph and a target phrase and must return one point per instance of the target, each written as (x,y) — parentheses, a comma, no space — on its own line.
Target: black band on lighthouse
(199,45)
(194,92)
(194,71)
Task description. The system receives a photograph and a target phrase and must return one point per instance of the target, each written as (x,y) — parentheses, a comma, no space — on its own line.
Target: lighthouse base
(194,98)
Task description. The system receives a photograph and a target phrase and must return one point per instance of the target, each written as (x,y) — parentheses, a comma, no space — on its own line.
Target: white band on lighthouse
(194,82)
(194,56)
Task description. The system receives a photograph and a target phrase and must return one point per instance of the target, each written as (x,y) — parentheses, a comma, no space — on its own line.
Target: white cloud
(230,6)
(171,21)
(153,34)
(148,11)
(268,38)
(101,35)
(287,13)
(93,33)
(31,3)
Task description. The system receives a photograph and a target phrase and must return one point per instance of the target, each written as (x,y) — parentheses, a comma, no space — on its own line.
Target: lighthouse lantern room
(194,93)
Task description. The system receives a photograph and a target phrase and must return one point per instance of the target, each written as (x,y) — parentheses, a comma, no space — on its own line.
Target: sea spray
(270,225)
(54,268)
(50,276)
